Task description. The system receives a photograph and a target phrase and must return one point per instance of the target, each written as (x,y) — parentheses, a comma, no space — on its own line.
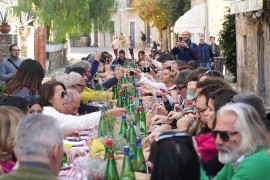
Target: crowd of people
(198,126)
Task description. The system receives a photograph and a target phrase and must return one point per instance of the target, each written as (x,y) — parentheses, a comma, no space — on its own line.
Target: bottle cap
(120,93)
(126,148)
(123,117)
(138,141)
(140,108)
(130,98)
(108,142)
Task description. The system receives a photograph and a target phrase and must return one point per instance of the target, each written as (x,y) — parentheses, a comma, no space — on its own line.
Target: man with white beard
(242,142)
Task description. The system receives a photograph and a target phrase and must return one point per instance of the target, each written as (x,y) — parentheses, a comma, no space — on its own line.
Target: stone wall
(56,59)
(249,67)
(6,40)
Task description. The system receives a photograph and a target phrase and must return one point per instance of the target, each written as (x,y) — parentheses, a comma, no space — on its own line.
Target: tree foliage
(227,42)
(73,17)
(161,13)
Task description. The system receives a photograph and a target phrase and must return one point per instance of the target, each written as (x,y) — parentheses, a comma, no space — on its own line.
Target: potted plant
(4,19)
(24,20)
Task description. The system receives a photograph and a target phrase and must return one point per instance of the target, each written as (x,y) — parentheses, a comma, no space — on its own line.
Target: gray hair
(72,79)
(70,95)
(181,77)
(59,76)
(36,136)
(249,125)
(83,64)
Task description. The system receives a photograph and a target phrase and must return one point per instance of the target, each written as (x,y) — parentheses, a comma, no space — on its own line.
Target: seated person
(174,157)
(39,156)
(9,118)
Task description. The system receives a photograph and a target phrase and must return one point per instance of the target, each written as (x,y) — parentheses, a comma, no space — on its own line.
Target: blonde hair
(9,118)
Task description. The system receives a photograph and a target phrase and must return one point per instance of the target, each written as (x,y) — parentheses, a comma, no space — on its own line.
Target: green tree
(161,13)
(72,17)
(227,42)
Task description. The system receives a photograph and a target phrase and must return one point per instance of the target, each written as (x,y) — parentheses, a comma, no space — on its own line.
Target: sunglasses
(209,72)
(166,136)
(180,87)
(63,94)
(224,135)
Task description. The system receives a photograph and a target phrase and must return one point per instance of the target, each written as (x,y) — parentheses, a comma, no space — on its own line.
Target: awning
(192,21)
(178,25)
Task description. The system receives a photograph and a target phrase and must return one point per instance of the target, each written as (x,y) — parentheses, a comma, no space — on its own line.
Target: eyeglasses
(63,94)
(180,87)
(200,110)
(166,136)
(18,50)
(224,135)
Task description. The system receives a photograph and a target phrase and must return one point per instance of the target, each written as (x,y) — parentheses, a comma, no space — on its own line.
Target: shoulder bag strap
(13,64)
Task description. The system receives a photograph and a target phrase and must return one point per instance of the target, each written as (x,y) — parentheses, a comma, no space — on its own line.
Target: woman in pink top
(9,118)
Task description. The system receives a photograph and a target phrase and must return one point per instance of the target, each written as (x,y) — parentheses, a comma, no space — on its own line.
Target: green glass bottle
(127,172)
(141,104)
(133,87)
(131,138)
(115,92)
(123,127)
(119,99)
(118,87)
(126,79)
(111,172)
(141,122)
(125,92)
(128,94)
(108,146)
(136,93)
(131,108)
(124,102)
(123,80)
(139,162)
(102,127)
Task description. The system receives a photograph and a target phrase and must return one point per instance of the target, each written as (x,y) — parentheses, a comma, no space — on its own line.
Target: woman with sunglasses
(53,96)
(27,80)
(217,99)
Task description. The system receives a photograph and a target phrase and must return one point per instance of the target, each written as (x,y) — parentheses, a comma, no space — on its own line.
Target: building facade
(253,47)
(125,20)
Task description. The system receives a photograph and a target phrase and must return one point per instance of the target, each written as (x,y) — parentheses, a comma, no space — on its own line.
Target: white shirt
(145,80)
(70,123)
